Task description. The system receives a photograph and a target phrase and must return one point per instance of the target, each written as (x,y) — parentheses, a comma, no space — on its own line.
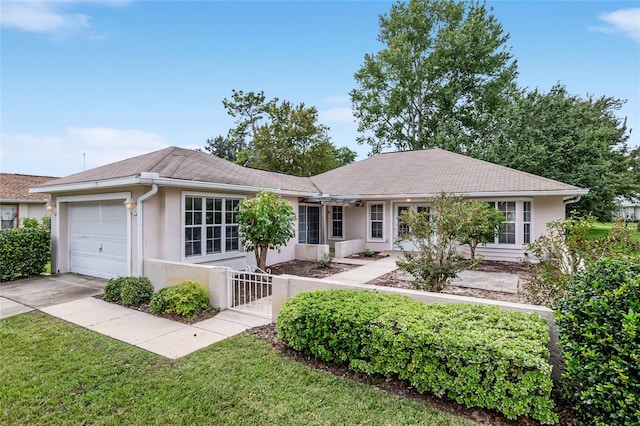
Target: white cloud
(626,21)
(340,114)
(49,17)
(76,149)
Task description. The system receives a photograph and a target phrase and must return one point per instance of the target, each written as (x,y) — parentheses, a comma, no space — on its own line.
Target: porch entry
(399,228)
(309,229)
(249,292)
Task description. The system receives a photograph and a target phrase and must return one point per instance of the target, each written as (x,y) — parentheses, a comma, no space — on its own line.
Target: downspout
(571,200)
(139,221)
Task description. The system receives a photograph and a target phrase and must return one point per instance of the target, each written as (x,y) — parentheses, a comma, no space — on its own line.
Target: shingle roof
(424,172)
(429,171)
(189,165)
(15,186)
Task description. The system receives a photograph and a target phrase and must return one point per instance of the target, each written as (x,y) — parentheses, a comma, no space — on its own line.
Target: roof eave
(567,193)
(160,181)
(22,201)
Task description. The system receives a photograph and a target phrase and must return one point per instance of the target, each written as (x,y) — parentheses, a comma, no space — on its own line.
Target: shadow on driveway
(34,293)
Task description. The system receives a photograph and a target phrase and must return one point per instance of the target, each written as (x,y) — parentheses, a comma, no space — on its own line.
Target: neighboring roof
(627,202)
(401,174)
(432,171)
(187,165)
(14,187)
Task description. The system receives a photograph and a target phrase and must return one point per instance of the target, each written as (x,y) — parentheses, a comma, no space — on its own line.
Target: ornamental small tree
(435,238)
(265,222)
(479,224)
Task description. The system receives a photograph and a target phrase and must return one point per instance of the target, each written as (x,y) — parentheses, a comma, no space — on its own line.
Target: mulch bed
(303,268)
(144,307)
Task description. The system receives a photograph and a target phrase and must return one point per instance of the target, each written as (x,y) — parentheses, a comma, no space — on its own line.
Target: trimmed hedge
(128,290)
(24,252)
(599,324)
(188,299)
(478,355)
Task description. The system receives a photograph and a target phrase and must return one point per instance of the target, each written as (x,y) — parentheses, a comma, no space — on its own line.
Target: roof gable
(429,172)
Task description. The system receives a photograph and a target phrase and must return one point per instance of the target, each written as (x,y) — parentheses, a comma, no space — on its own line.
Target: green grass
(600,229)
(56,373)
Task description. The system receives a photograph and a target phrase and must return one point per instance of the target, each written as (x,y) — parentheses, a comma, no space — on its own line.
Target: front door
(400,228)
(309,224)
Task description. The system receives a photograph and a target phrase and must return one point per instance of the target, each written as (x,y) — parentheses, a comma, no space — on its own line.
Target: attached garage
(98,243)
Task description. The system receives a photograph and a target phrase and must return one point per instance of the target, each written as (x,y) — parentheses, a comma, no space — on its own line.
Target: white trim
(94,197)
(384,220)
(224,255)
(330,235)
(176,183)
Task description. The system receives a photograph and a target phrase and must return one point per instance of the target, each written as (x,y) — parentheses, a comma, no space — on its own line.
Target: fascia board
(178,183)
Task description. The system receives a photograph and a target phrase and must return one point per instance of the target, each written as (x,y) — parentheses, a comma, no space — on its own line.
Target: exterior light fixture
(131,206)
(50,206)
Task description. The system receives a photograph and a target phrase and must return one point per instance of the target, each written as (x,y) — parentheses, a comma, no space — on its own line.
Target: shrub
(113,289)
(368,252)
(188,299)
(30,222)
(24,252)
(136,290)
(599,325)
(433,258)
(477,355)
(566,250)
(325,261)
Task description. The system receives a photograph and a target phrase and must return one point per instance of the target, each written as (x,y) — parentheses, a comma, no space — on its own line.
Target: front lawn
(601,229)
(56,373)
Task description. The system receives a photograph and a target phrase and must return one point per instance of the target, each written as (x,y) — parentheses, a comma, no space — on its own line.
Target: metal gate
(250,292)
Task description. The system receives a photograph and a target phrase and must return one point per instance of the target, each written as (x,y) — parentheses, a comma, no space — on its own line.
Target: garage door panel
(98,239)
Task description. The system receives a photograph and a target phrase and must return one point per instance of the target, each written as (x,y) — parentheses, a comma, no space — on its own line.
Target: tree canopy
(576,140)
(446,78)
(265,222)
(277,136)
(444,71)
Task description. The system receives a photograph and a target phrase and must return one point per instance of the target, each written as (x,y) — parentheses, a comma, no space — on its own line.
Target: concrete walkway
(161,336)
(368,270)
(69,297)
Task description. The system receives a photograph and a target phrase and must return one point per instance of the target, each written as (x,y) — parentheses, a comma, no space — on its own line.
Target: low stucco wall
(348,248)
(163,273)
(287,286)
(311,252)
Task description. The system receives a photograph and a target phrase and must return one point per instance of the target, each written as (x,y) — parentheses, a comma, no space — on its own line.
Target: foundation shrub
(187,299)
(599,325)
(113,289)
(136,290)
(24,252)
(478,355)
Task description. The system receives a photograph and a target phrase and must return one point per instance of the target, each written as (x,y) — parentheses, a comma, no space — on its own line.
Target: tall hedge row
(599,325)
(24,252)
(477,355)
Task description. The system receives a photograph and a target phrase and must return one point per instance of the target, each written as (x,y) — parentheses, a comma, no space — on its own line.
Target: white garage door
(98,239)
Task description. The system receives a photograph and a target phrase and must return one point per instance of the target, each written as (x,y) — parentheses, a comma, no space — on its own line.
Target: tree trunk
(472,247)
(262,261)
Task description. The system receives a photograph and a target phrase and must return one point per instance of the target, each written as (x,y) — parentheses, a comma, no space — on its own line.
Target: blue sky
(86,83)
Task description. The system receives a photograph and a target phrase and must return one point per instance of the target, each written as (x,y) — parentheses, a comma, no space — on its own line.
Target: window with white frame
(210,225)
(376,221)
(526,221)
(337,222)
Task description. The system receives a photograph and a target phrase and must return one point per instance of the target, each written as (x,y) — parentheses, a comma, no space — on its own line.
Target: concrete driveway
(21,296)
